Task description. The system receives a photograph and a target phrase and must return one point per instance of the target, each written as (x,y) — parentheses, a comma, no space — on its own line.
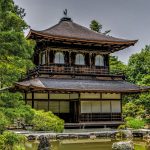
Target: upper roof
(67,30)
(77,85)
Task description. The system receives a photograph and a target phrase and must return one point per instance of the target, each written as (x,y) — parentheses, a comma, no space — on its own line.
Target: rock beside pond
(31,138)
(44,143)
(123,146)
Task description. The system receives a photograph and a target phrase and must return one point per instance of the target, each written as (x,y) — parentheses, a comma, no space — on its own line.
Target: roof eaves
(129,42)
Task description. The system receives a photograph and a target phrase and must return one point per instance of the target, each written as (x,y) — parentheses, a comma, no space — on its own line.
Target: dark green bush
(11,140)
(47,121)
(3,122)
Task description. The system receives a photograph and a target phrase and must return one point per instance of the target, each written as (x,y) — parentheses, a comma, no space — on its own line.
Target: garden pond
(85,144)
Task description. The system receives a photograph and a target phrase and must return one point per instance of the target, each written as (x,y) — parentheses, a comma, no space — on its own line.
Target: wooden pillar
(25,97)
(69,58)
(48,58)
(53,56)
(111,109)
(48,100)
(32,99)
(108,63)
(121,105)
(79,107)
(90,57)
(101,102)
(40,62)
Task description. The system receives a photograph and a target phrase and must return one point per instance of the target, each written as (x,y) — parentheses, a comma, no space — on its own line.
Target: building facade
(72,78)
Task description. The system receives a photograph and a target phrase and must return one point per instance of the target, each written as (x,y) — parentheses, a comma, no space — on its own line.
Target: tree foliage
(135,123)
(130,109)
(15,59)
(138,72)
(4,122)
(139,67)
(96,26)
(11,141)
(15,50)
(116,66)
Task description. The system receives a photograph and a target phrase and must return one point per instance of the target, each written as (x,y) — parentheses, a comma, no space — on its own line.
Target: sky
(127,19)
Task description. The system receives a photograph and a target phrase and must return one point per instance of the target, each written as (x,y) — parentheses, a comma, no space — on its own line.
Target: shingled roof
(76,85)
(66,29)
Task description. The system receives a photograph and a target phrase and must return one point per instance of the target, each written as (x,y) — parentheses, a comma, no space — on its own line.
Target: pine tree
(15,50)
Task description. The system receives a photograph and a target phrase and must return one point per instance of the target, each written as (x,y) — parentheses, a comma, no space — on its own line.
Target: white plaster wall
(59,96)
(74,96)
(54,106)
(64,107)
(90,95)
(86,107)
(106,107)
(111,96)
(116,107)
(29,95)
(41,105)
(40,95)
(96,107)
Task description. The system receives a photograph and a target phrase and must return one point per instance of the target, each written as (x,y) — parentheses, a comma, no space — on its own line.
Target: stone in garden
(44,143)
(123,146)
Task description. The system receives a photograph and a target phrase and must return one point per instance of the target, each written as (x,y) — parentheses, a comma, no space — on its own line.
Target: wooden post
(48,100)
(79,107)
(111,109)
(25,97)
(69,58)
(48,58)
(90,59)
(32,99)
(121,106)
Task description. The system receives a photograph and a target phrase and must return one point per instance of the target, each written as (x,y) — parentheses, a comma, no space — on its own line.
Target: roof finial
(65,18)
(65,12)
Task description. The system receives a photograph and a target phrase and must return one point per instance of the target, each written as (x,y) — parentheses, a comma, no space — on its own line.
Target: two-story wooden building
(72,77)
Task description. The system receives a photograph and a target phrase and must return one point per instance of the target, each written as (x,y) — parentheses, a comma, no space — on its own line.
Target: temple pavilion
(72,77)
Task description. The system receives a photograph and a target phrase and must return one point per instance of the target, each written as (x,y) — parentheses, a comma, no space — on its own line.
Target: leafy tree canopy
(116,66)
(138,72)
(139,67)
(15,50)
(96,26)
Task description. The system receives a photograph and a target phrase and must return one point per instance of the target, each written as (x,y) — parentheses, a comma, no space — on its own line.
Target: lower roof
(78,85)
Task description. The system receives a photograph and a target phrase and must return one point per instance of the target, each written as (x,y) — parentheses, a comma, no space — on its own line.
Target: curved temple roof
(76,85)
(67,30)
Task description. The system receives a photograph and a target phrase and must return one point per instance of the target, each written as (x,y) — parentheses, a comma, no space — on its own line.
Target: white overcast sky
(128,19)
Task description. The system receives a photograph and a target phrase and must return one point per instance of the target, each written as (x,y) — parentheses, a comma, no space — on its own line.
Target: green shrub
(13,140)
(47,121)
(23,112)
(123,126)
(134,123)
(2,142)
(133,110)
(3,122)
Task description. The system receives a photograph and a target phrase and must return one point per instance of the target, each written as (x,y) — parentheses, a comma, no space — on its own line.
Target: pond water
(85,144)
